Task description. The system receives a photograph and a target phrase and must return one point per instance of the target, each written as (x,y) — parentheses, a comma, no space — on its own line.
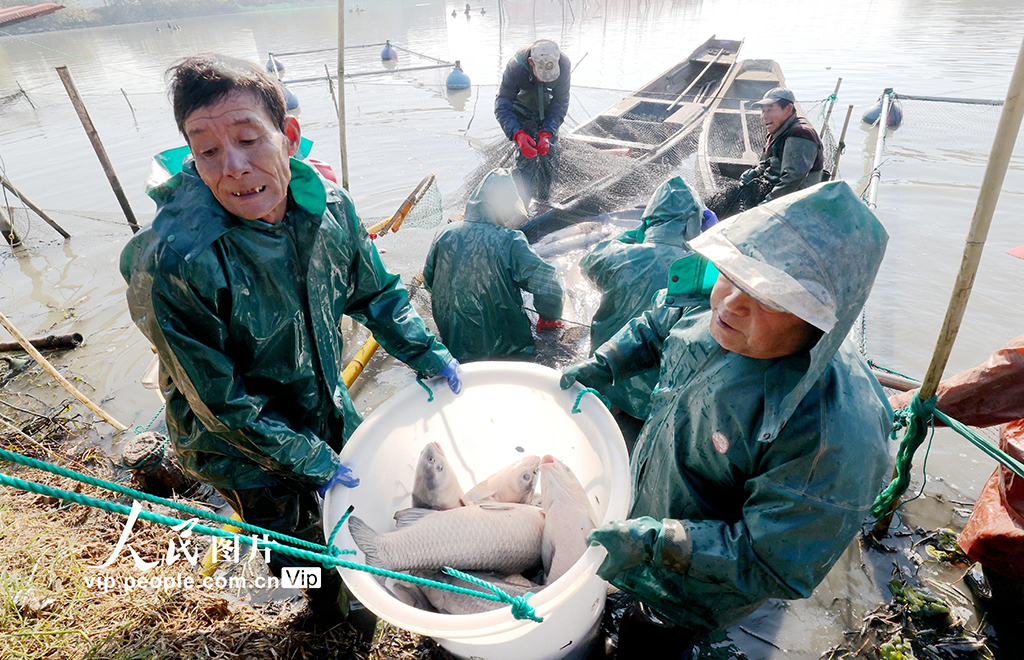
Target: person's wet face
(774,115)
(242,155)
(743,325)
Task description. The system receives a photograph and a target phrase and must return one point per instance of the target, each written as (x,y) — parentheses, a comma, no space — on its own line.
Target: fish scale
(504,538)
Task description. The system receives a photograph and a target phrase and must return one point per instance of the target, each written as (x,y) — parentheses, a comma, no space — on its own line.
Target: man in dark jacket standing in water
(530,106)
(240,283)
(792,158)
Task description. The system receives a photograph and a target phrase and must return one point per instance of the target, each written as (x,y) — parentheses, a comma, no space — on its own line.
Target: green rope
(139,495)
(516,602)
(341,521)
(520,608)
(430,392)
(141,429)
(604,399)
(916,421)
(983,444)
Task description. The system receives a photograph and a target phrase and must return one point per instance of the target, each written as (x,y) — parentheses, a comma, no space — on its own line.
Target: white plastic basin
(506,410)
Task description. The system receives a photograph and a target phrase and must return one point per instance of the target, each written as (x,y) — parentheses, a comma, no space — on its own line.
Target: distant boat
(661,118)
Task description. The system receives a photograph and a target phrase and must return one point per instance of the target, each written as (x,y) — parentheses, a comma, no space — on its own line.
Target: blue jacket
(521,93)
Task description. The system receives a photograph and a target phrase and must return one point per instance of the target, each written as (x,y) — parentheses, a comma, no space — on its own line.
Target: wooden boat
(660,119)
(732,137)
(668,108)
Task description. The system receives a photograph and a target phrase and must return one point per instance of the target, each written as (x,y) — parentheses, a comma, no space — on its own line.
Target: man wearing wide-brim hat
(792,158)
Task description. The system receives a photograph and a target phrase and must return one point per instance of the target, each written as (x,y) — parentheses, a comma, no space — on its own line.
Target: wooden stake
(341,94)
(842,144)
(6,183)
(831,105)
(38,357)
(97,145)
(7,229)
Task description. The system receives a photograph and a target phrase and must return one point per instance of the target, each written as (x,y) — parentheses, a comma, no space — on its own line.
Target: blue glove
(629,543)
(451,373)
(343,476)
(710,220)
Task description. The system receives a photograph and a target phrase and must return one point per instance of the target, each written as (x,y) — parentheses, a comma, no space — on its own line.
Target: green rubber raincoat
(475,271)
(631,268)
(245,319)
(770,466)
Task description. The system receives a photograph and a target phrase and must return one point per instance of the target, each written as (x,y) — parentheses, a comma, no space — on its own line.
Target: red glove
(527,146)
(543,143)
(548,325)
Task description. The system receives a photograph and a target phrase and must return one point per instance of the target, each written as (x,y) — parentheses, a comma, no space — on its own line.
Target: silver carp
(491,536)
(435,485)
(514,483)
(568,518)
(448,602)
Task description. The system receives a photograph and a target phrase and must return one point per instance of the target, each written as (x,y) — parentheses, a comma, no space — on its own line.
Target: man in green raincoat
(476,270)
(631,268)
(766,443)
(240,283)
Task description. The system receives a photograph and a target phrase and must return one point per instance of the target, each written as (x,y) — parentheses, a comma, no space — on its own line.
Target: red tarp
(12,15)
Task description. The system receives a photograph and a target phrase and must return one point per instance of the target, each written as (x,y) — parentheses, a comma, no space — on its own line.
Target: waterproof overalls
(476,271)
(763,469)
(631,268)
(245,318)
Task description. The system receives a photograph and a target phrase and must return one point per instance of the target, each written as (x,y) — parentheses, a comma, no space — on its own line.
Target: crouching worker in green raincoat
(632,267)
(766,443)
(476,270)
(240,283)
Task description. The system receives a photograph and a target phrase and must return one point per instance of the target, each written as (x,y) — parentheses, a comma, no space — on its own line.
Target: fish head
(517,483)
(558,484)
(435,485)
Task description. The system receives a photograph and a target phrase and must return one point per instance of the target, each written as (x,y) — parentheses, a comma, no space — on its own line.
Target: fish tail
(365,538)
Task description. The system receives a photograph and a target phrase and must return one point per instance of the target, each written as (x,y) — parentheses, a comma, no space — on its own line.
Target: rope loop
(604,399)
(332,549)
(520,608)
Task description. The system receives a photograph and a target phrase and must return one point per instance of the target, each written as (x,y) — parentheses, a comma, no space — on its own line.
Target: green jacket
(631,268)
(476,270)
(770,466)
(245,319)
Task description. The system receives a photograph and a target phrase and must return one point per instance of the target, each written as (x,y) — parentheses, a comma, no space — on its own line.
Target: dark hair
(203,80)
(784,103)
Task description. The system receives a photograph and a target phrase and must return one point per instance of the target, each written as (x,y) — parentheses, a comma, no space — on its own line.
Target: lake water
(404,125)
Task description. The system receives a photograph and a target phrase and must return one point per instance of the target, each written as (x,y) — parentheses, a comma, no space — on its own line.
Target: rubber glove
(343,476)
(548,325)
(594,372)
(664,543)
(748,176)
(451,373)
(527,146)
(710,220)
(543,143)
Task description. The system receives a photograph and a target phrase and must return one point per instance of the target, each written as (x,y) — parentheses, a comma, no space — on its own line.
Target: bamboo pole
(842,144)
(831,105)
(988,197)
(97,145)
(883,126)
(44,363)
(6,183)
(341,94)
